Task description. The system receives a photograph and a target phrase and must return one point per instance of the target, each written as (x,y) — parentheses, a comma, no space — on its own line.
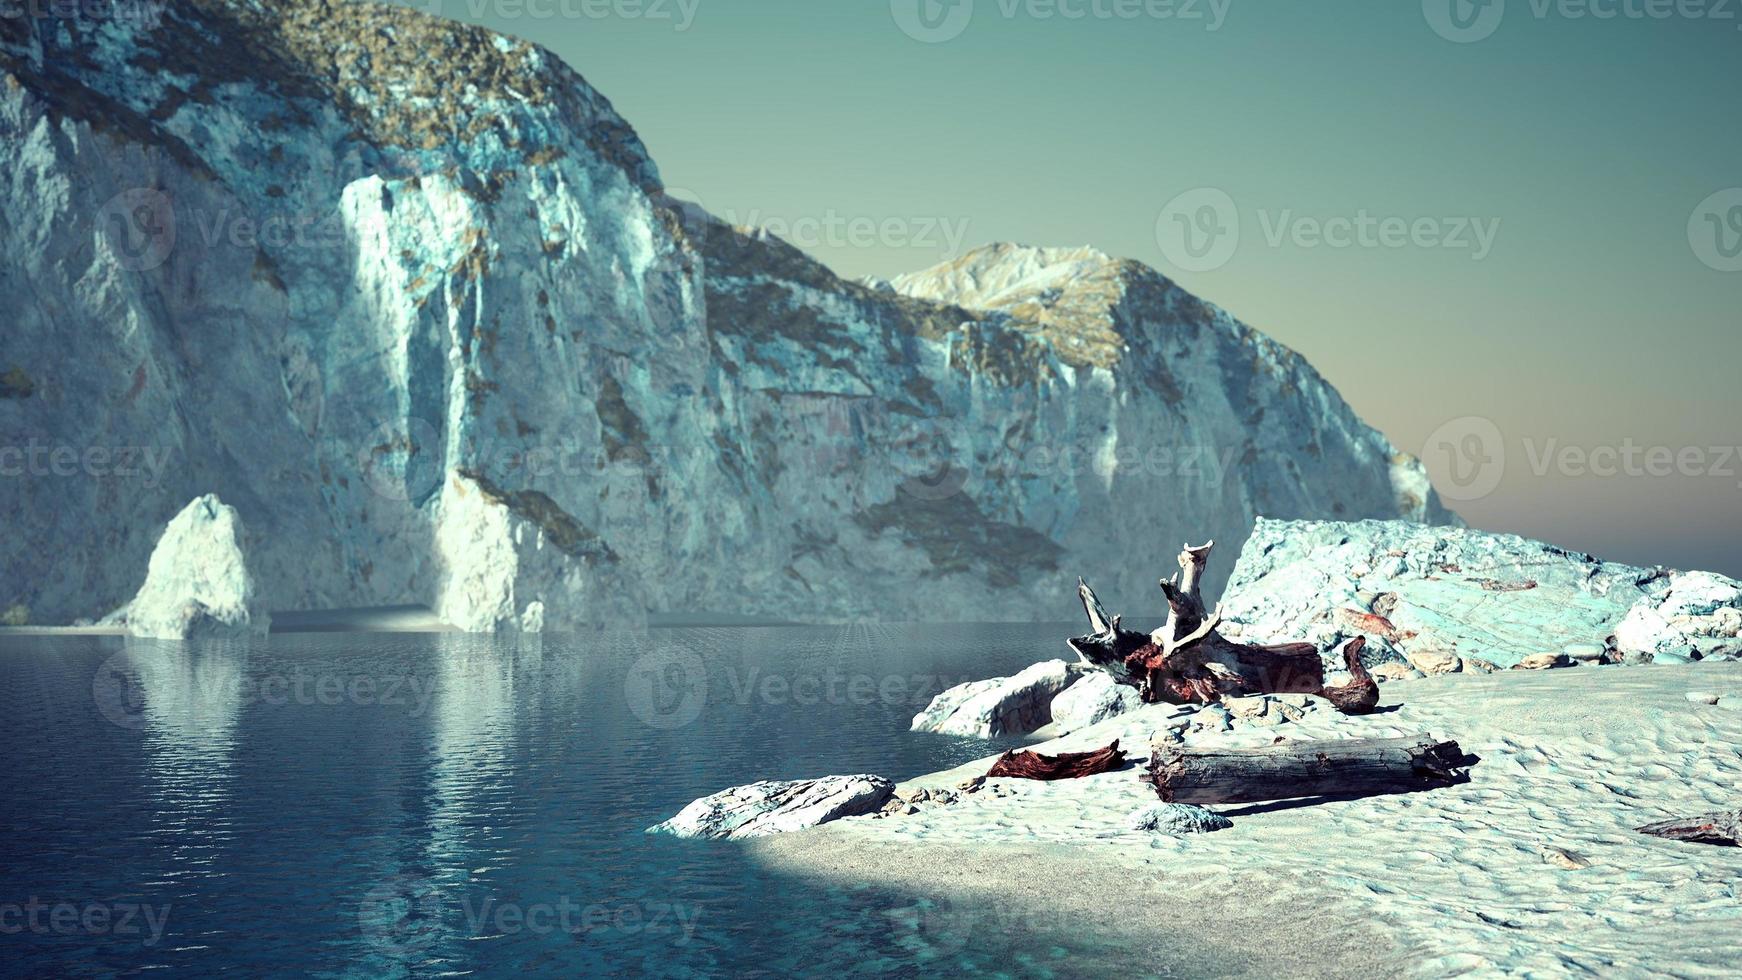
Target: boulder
(1543,661)
(998,706)
(1093,699)
(1696,612)
(775,807)
(197,583)
(1177,819)
(1447,599)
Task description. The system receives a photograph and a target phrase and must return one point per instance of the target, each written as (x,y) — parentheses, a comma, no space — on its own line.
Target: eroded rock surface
(775,807)
(1454,600)
(197,583)
(998,706)
(1095,698)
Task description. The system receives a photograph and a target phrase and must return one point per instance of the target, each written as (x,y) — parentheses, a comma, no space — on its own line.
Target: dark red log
(1723,829)
(1024,764)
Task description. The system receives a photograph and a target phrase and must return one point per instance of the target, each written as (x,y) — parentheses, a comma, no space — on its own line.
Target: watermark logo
(402,915)
(926,462)
(680,13)
(932,21)
(37,917)
(139,227)
(148,13)
(119,693)
(1464,21)
(667,687)
(1199,231)
(1466,458)
(1715,230)
(401,460)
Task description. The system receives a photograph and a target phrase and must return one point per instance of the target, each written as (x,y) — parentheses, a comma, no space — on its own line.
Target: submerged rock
(998,706)
(197,583)
(1448,600)
(775,807)
(1093,699)
(1177,819)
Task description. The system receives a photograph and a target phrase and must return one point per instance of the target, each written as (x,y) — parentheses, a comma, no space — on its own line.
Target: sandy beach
(1533,868)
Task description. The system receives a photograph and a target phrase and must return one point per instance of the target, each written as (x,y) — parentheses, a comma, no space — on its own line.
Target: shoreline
(1533,867)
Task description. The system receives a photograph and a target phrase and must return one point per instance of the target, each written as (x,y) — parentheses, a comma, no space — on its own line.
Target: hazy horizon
(1508,231)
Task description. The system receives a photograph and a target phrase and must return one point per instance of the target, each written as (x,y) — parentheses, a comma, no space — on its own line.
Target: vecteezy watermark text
(46,918)
(937,21)
(1467,459)
(1469,21)
(1200,230)
(681,14)
(40,460)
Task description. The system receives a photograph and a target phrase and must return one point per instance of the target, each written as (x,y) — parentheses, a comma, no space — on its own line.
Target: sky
(1510,232)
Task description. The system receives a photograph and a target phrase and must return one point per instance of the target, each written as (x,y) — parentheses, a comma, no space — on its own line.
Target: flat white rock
(775,807)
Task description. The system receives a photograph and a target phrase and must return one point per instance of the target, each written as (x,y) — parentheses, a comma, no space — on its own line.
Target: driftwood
(1066,765)
(1290,770)
(1724,829)
(1188,661)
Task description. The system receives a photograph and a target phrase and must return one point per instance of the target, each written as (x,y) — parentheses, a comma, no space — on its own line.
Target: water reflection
(185,699)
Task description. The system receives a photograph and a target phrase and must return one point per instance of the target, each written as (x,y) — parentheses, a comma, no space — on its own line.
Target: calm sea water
(369,805)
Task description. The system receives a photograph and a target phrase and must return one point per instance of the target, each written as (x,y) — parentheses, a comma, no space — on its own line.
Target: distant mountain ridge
(410,297)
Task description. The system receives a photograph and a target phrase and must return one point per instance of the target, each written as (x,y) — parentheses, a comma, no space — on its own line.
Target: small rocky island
(1515,683)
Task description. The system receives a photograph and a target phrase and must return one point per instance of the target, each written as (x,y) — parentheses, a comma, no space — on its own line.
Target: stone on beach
(998,706)
(197,583)
(1176,819)
(1093,699)
(775,807)
(1543,661)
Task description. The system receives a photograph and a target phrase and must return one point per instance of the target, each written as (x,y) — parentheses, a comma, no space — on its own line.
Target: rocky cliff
(410,297)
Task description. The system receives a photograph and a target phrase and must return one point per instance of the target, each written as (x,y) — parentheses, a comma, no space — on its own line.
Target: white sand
(1443,883)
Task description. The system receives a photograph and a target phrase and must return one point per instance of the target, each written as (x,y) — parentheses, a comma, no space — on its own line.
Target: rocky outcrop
(411,294)
(772,807)
(1448,600)
(197,583)
(1095,698)
(998,706)
(1684,616)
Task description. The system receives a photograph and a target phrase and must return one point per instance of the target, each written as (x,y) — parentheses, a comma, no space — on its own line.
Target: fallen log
(1187,660)
(1290,770)
(1024,764)
(1723,829)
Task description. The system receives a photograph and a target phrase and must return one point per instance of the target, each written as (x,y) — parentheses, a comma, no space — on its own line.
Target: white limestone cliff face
(341,264)
(197,583)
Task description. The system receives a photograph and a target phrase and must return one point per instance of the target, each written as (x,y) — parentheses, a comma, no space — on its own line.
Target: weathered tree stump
(1187,661)
(1290,770)
(1723,829)
(1024,764)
